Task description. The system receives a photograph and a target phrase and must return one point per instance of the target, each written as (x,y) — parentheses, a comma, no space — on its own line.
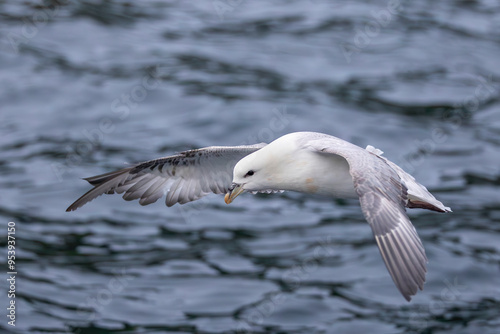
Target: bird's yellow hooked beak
(234,191)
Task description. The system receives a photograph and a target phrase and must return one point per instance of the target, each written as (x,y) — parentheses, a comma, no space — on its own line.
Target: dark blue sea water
(87,87)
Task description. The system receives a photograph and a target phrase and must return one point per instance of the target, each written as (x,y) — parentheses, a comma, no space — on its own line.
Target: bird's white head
(263,170)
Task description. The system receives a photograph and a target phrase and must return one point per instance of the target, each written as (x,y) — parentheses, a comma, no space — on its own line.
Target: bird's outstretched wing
(383,197)
(183,177)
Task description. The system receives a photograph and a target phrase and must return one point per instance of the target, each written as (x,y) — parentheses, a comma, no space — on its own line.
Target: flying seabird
(306,162)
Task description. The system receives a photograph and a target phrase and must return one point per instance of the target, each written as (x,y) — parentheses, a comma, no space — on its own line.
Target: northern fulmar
(307,162)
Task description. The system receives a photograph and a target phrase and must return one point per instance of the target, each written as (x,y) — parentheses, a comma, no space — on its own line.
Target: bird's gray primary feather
(383,196)
(183,177)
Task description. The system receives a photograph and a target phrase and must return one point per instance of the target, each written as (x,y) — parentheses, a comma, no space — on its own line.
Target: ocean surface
(87,87)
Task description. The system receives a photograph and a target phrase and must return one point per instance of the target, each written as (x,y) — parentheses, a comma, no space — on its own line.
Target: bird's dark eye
(249,173)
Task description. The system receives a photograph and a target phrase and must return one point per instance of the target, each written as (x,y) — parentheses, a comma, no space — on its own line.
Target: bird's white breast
(322,174)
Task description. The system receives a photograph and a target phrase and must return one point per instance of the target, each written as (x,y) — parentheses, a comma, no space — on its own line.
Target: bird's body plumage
(302,161)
